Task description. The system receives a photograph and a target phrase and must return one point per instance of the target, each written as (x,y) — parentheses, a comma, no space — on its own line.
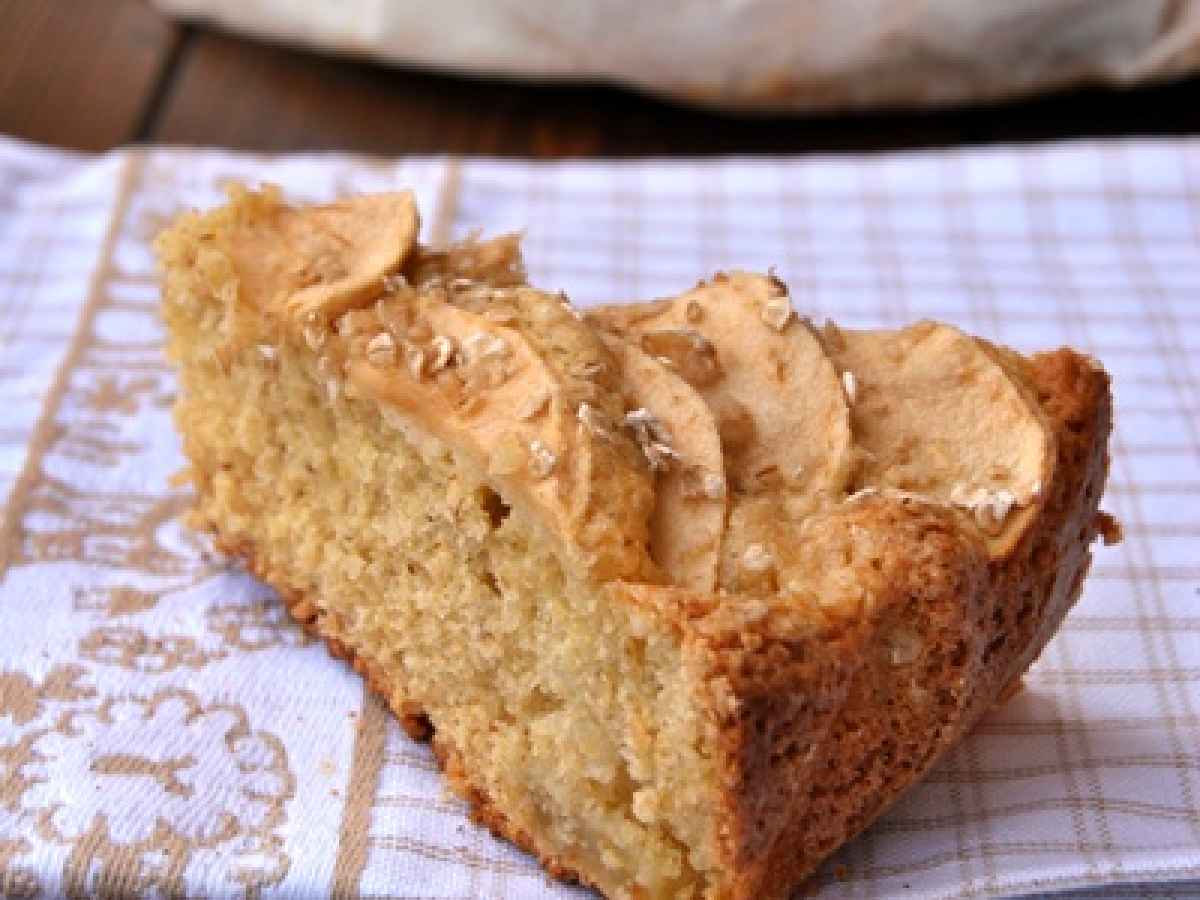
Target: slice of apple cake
(685,593)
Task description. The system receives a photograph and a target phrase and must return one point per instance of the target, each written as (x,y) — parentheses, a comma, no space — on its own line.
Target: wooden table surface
(93,74)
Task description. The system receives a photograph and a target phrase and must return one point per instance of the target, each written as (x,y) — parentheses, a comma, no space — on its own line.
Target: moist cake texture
(684,593)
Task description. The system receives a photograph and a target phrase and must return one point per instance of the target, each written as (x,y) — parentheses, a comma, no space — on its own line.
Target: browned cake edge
(1001,615)
(997,631)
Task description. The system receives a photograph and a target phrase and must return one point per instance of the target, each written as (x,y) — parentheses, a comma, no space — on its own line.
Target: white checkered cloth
(163,727)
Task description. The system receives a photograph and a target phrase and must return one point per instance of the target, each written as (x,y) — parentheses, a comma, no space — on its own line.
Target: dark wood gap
(158,98)
(77,74)
(248,94)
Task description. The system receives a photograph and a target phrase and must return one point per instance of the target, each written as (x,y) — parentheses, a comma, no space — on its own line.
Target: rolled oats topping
(713,486)
(863,493)
(659,456)
(777,312)
(1002,502)
(414,361)
(542,459)
(443,351)
(381,349)
(641,420)
(593,420)
(314,336)
(484,346)
(653,438)
(850,384)
(990,508)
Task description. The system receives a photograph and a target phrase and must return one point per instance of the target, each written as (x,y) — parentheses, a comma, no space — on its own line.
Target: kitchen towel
(165,729)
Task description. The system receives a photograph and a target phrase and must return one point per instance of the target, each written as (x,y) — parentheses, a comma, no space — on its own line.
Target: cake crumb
(1110,528)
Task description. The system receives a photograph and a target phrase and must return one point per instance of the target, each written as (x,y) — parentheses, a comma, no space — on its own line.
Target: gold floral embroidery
(217,799)
(22,698)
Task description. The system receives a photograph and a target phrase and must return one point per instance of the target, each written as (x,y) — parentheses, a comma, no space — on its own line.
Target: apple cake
(684,593)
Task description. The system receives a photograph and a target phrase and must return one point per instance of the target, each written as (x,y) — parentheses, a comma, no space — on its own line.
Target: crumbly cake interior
(571,710)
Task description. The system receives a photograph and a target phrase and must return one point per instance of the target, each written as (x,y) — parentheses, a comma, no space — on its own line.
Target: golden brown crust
(985,626)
